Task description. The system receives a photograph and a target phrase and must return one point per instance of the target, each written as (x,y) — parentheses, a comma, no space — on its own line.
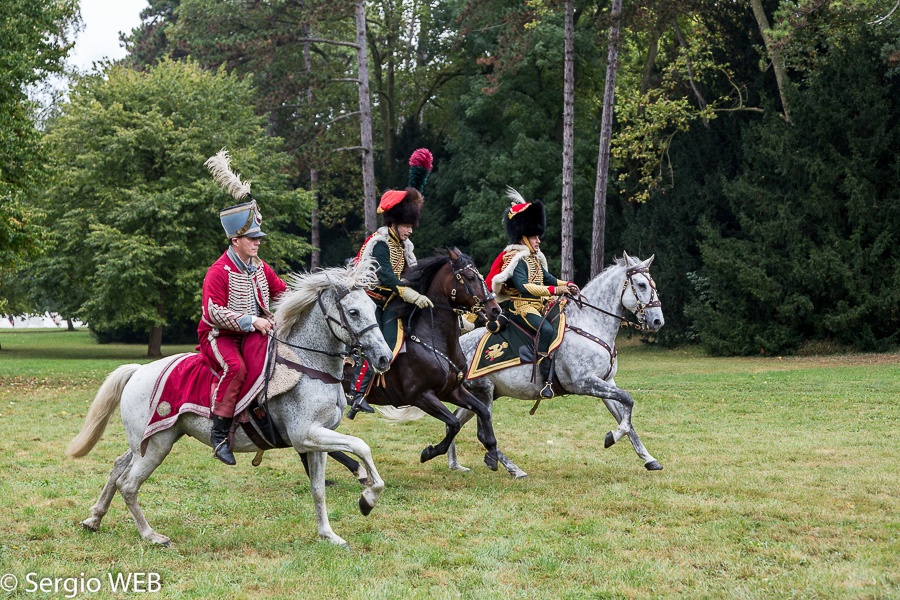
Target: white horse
(583,366)
(318,316)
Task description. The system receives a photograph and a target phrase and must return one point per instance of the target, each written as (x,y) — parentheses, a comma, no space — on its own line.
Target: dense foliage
(134,213)
(771,203)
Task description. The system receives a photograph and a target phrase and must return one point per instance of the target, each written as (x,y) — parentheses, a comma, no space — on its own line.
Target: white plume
(220,167)
(515,196)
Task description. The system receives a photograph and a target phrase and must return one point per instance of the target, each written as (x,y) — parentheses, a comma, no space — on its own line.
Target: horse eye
(353,312)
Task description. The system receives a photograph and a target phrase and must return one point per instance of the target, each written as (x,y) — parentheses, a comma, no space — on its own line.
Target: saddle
(187,382)
(498,351)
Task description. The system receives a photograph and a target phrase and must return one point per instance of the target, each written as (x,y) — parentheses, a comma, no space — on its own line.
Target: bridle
(354,335)
(458,271)
(329,319)
(640,309)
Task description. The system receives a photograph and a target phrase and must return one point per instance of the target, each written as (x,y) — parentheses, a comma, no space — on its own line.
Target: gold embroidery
(496,351)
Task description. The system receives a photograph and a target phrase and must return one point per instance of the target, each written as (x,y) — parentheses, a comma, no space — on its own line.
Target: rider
(237,291)
(522,283)
(392,249)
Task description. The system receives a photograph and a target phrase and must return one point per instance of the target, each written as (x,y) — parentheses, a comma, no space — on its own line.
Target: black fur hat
(523,219)
(403,207)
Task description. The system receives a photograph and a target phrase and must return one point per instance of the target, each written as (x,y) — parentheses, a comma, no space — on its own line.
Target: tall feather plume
(420,164)
(515,196)
(220,167)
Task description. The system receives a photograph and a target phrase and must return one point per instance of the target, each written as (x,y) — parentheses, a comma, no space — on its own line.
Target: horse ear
(649,260)
(628,260)
(453,254)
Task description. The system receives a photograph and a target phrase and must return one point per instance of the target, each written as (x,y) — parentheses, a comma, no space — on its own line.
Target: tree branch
(332,42)
(877,21)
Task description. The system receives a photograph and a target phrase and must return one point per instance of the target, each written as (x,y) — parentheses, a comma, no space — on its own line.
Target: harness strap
(596,340)
(313,373)
(418,340)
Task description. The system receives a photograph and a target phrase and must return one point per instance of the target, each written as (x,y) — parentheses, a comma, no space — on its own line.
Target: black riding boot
(219,438)
(547,371)
(526,355)
(358,403)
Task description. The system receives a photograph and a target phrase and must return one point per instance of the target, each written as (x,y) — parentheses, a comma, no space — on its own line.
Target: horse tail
(105,402)
(403,414)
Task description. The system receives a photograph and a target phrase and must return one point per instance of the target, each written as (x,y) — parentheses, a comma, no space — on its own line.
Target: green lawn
(781,480)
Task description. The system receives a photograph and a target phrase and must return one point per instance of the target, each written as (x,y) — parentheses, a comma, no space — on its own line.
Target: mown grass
(780,480)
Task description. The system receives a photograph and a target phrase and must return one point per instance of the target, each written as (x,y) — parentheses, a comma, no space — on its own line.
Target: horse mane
(617,263)
(423,273)
(304,288)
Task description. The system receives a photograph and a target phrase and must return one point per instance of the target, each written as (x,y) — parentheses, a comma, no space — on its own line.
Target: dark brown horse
(432,368)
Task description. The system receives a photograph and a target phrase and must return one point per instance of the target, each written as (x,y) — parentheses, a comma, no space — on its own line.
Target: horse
(586,359)
(319,316)
(433,367)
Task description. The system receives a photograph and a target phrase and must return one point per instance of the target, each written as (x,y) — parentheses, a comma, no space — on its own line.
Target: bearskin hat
(405,206)
(523,219)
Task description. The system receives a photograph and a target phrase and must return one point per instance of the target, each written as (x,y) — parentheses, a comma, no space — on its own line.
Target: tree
(34,40)
(612,65)
(568,170)
(132,209)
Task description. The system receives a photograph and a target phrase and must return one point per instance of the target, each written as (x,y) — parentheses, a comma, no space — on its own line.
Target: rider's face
(403,231)
(535,241)
(246,247)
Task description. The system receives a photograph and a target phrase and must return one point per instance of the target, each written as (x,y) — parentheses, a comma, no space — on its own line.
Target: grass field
(781,480)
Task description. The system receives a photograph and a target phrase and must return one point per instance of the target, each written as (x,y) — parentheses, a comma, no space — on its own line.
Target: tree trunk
(315,257)
(774,55)
(612,64)
(154,346)
(70,326)
(568,167)
(365,118)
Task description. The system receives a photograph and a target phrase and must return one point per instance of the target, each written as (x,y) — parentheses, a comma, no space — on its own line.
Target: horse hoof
(364,507)
(329,483)
(522,475)
(653,466)
(90,526)
(490,459)
(610,440)
(427,454)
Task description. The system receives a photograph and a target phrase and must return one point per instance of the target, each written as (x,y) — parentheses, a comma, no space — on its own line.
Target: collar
(244,267)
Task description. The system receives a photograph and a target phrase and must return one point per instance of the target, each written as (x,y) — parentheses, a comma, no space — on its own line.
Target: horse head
(469,289)
(639,293)
(347,313)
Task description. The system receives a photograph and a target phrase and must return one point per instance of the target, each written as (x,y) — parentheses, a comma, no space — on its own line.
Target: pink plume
(421,158)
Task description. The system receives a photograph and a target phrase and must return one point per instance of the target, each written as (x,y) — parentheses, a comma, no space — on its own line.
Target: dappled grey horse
(586,359)
(319,316)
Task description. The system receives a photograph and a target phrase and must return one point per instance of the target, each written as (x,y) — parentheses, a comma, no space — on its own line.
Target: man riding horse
(237,292)
(522,283)
(391,247)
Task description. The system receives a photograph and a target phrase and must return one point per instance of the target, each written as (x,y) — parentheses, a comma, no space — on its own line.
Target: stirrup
(547,390)
(359,405)
(225,455)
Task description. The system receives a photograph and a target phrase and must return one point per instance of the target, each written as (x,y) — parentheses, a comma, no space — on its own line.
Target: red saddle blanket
(186,384)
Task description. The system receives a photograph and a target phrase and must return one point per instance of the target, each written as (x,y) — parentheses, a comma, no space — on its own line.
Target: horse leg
(609,393)
(101,507)
(322,439)
(352,466)
(464,399)
(129,483)
(432,405)
(317,488)
(463,415)
(650,463)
